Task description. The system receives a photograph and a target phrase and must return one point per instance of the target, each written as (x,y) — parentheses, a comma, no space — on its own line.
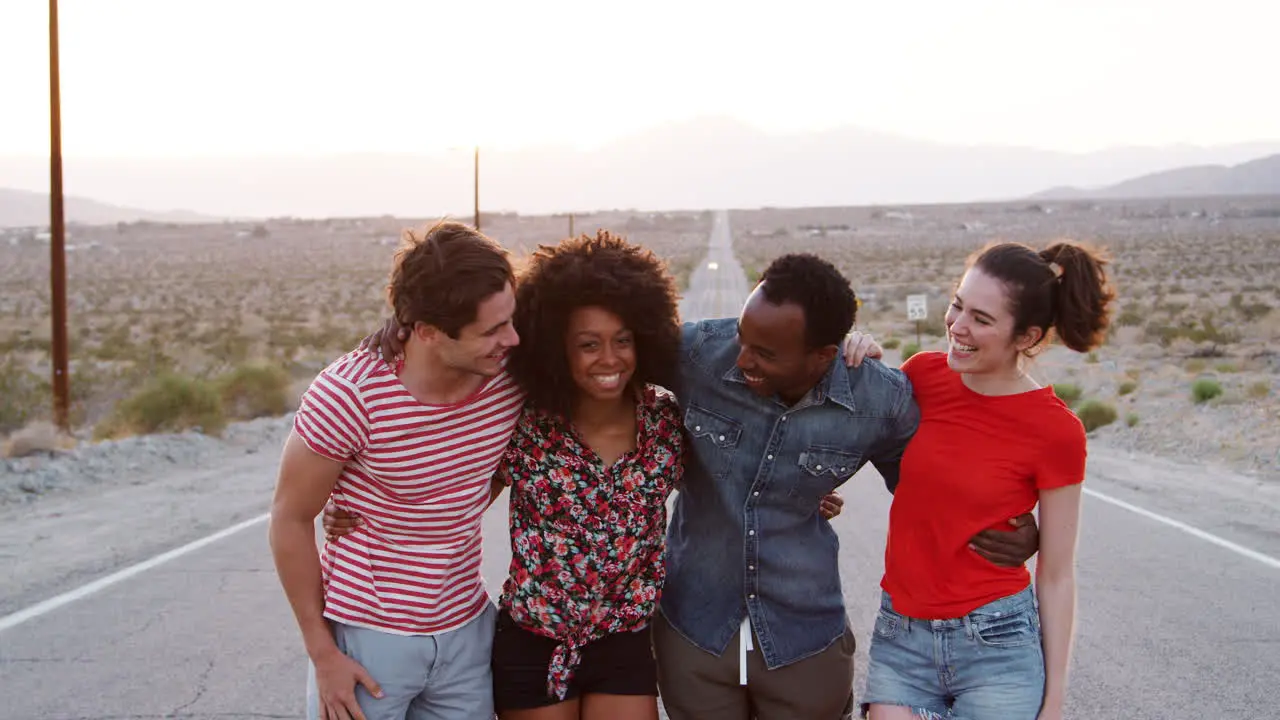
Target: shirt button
(751,596)
(770,457)
(721,438)
(819,467)
(784,418)
(756,493)
(697,428)
(751,532)
(751,567)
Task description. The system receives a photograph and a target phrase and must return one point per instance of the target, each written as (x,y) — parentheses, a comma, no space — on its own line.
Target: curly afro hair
(602,271)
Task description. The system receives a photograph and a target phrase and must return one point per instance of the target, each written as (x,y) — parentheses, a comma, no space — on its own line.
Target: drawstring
(744,646)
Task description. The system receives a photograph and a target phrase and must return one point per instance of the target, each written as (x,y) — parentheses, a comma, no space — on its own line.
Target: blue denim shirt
(746,536)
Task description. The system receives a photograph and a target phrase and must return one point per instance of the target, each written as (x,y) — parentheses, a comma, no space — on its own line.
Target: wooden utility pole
(477,188)
(57,235)
(570,224)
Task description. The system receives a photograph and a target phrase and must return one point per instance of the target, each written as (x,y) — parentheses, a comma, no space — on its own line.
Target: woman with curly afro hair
(590,466)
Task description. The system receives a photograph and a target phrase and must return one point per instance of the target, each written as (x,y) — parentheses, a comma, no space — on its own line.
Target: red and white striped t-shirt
(418,475)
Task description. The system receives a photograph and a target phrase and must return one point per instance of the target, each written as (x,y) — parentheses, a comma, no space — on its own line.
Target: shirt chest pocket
(715,439)
(821,470)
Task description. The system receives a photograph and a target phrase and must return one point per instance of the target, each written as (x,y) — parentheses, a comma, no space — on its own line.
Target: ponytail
(1082,294)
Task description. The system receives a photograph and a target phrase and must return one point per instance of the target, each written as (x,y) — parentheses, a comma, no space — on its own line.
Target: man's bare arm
(306,479)
(305,482)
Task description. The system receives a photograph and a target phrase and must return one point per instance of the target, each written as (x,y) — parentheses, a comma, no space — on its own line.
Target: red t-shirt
(975,462)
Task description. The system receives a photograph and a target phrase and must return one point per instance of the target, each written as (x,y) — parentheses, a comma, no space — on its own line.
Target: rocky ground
(135,460)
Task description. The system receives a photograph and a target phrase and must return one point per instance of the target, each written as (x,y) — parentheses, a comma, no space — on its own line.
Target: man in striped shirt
(395,617)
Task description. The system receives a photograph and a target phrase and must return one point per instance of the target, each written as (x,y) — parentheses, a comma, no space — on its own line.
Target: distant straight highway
(1179,587)
(717,286)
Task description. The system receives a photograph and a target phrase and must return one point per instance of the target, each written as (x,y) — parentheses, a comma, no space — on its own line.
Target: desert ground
(237,317)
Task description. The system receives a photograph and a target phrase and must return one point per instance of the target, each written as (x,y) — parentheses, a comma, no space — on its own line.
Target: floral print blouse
(588,541)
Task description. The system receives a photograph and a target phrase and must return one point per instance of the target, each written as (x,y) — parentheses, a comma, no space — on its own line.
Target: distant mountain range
(21,208)
(1256,177)
(703,163)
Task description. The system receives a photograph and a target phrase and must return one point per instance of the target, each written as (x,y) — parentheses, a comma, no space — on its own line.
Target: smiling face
(482,344)
(601,351)
(980,327)
(773,353)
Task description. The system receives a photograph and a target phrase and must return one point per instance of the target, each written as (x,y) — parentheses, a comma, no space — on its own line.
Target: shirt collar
(833,386)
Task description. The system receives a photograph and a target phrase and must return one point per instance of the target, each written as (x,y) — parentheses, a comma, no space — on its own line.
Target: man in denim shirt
(753,619)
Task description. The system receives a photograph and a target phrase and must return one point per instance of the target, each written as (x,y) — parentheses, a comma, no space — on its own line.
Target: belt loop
(968,628)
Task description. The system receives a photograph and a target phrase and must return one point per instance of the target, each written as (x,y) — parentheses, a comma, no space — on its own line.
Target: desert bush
(1069,393)
(251,391)
(1258,390)
(1208,351)
(39,436)
(1249,311)
(909,349)
(1095,414)
(1127,387)
(1130,317)
(1205,389)
(24,395)
(168,403)
(1205,332)
(1226,368)
(891,344)
(1131,419)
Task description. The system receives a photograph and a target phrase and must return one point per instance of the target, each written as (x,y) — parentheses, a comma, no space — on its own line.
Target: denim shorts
(987,665)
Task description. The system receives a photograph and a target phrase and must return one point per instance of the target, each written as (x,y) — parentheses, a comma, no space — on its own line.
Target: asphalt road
(1175,621)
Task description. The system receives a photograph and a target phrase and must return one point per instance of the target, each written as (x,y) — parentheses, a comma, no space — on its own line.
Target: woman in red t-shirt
(958,636)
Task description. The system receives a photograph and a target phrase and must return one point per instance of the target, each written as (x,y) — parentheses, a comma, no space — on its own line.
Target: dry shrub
(38,437)
(1205,389)
(1068,393)
(1094,414)
(167,403)
(252,391)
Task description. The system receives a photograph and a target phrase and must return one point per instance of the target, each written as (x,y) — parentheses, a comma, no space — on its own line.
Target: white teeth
(608,379)
(963,348)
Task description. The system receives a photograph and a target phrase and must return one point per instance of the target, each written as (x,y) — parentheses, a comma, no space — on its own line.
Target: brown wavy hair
(440,276)
(603,271)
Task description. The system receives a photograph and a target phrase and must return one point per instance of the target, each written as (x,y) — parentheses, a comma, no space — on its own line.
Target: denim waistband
(1020,602)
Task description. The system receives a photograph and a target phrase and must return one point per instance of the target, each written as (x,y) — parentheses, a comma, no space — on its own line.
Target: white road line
(1196,532)
(53,603)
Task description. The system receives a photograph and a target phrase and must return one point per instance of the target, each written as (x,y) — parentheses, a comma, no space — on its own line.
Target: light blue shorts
(423,677)
(987,665)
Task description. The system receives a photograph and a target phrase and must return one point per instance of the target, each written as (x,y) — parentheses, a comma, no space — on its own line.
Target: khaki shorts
(696,685)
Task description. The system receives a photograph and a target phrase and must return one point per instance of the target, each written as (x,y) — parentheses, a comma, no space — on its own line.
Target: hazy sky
(198,77)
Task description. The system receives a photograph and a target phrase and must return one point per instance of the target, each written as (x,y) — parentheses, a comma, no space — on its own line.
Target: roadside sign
(916,309)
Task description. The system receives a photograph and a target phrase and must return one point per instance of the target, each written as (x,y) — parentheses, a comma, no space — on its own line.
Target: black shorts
(618,664)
